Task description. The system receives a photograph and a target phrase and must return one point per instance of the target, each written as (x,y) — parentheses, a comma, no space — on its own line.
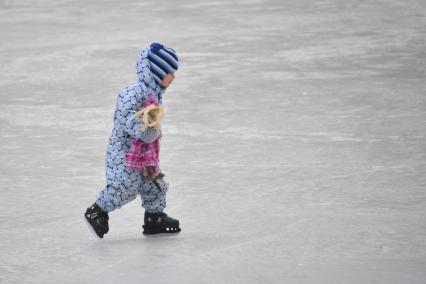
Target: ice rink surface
(294,141)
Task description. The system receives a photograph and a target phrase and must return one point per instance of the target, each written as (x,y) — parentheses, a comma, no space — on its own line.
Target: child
(142,156)
(155,69)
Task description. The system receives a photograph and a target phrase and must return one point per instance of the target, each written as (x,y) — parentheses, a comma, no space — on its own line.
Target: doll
(142,156)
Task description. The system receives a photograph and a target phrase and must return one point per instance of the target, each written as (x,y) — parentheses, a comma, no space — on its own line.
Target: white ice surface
(294,141)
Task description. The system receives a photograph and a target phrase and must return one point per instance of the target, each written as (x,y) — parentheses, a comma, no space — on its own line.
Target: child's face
(168,80)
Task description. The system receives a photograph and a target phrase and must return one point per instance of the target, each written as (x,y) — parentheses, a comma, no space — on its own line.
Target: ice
(294,141)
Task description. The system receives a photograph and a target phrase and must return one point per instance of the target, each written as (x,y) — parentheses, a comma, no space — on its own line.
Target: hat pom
(155,46)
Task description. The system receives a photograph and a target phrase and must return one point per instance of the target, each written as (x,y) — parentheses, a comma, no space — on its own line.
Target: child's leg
(122,190)
(153,195)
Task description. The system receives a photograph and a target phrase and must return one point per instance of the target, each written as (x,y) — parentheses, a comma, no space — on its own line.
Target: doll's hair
(151,116)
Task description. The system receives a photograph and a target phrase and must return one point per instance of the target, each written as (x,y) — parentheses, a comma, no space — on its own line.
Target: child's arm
(125,118)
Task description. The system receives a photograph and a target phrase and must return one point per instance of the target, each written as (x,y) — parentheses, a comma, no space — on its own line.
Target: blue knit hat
(162,60)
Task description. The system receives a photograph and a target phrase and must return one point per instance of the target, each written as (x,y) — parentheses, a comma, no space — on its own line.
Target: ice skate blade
(161,235)
(155,231)
(91,228)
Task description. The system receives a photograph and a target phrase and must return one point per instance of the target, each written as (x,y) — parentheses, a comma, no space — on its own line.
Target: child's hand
(150,172)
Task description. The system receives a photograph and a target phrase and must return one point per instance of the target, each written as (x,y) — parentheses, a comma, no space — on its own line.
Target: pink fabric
(142,154)
(150,100)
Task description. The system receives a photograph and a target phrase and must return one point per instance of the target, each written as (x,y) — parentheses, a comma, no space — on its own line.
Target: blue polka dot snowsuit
(124,184)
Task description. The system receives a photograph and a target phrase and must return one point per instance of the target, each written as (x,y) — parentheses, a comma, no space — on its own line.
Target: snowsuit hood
(145,75)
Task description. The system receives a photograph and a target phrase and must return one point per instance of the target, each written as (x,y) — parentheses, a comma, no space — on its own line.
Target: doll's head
(151,116)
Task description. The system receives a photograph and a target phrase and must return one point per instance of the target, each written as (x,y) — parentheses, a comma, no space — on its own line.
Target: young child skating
(155,69)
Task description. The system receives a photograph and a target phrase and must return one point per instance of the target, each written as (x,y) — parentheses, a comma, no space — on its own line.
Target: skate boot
(97,220)
(160,223)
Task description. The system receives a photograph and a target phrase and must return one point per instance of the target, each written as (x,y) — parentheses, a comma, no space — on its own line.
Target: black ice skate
(160,223)
(97,220)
